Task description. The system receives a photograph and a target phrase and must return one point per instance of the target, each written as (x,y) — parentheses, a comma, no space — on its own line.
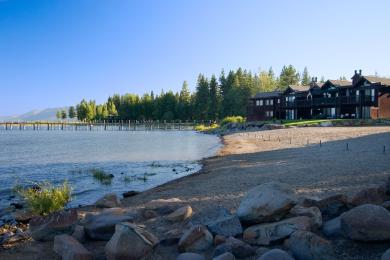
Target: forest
(214,98)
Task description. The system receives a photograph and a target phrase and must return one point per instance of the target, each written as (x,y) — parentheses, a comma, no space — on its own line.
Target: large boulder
(307,245)
(225,256)
(367,222)
(267,202)
(265,234)
(70,249)
(312,212)
(101,226)
(330,207)
(275,254)
(372,195)
(47,227)
(190,256)
(108,201)
(180,214)
(219,221)
(196,239)
(130,242)
(332,228)
(235,246)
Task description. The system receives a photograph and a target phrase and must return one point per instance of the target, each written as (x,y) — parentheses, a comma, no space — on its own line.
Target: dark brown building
(363,97)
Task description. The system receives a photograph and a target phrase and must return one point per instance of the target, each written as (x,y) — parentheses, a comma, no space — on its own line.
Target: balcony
(329,102)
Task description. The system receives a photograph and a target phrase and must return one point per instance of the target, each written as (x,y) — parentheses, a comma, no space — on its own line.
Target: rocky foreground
(271,222)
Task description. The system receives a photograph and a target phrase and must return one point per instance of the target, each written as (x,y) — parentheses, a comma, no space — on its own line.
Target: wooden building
(363,97)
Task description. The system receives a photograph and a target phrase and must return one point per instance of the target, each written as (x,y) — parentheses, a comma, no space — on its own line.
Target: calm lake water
(138,160)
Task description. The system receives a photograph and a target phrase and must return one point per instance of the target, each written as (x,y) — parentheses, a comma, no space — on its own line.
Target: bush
(44,198)
(232,120)
(202,128)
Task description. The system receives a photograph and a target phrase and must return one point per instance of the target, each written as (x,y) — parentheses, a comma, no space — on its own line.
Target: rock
(262,250)
(108,201)
(79,234)
(373,195)
(47,227)
(312,212)
(130,242)
(330,207)
(332,228)
(17,205)
(171,237)
(190,256)
(101,226)
(276,254)
(388,186)
(367,222)
(70,249)
(163,206)
(265,234)
(386,255)
(196,239)
(149,214)
(180,214)
(267,202)
(386,204)
(219,221)
(130,193)
(218,239)
(235,246)
(225,256)
(23,216)
(307,245)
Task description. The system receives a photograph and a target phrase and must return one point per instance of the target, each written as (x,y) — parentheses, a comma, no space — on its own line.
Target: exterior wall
(384,104)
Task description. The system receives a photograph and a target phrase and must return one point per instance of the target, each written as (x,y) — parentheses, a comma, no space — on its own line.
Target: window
(373,95)
(261,102)
(266,102)
(266,113)
(257,103)
(271,113)
(271,102)
(278,100)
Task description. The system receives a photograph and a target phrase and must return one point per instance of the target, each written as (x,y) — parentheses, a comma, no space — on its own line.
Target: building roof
(299,88)
(374,79)
(341,83)
(269,94)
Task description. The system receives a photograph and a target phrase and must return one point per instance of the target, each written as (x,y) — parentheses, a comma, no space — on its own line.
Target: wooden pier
(120,125)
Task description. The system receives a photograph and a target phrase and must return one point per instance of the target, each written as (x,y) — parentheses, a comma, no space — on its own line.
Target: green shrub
(102,176)
(202,128)
(232,120)
(44,198)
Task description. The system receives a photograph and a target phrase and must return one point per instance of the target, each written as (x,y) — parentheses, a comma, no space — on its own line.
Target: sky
(54,53)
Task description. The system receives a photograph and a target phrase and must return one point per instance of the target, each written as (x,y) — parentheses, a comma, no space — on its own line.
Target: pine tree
(305,77)
(288,76)
(184,102)
(63,114)
(71,112)
(214,98)
(58,114)
(202,99)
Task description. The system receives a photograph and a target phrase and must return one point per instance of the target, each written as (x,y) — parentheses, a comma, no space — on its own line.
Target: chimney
(355,72)
(360,72)
(315,79)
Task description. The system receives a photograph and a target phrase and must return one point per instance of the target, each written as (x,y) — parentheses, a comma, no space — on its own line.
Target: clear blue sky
(54,53)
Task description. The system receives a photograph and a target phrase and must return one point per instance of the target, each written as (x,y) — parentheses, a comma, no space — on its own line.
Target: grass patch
(232,120)
(308,122)
(44,198)
(203,128)
(102,176)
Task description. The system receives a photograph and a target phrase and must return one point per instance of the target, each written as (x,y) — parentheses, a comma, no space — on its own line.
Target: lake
(138,160)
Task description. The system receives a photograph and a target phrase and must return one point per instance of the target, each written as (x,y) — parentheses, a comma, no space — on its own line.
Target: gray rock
(70,249)
(180,214)
(47,227)
(164,206)
(196,239)
(275,254)
(330,207)
(219,221)
(108,201)
(367,222)
(265,234)
(306,245)
(190,256)
(225,256)
(79,234)
(101,226)
(387,185)
(267,202)
(386,255)
(130,242)
(235,246)
(373,195)
(130,193)
(332,228)
(386,204)
(312,212)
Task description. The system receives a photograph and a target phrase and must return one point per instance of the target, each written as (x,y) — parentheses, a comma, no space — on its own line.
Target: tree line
(214,98)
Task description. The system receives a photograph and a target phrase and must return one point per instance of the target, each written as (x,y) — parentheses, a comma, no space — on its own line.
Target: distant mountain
(47,114)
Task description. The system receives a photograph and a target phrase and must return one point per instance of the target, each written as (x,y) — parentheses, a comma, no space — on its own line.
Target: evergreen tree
(305,77)
(202,99)
(184,104)
(288,76)
(71,112)
(63,114)
(214,99)
(58,114)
